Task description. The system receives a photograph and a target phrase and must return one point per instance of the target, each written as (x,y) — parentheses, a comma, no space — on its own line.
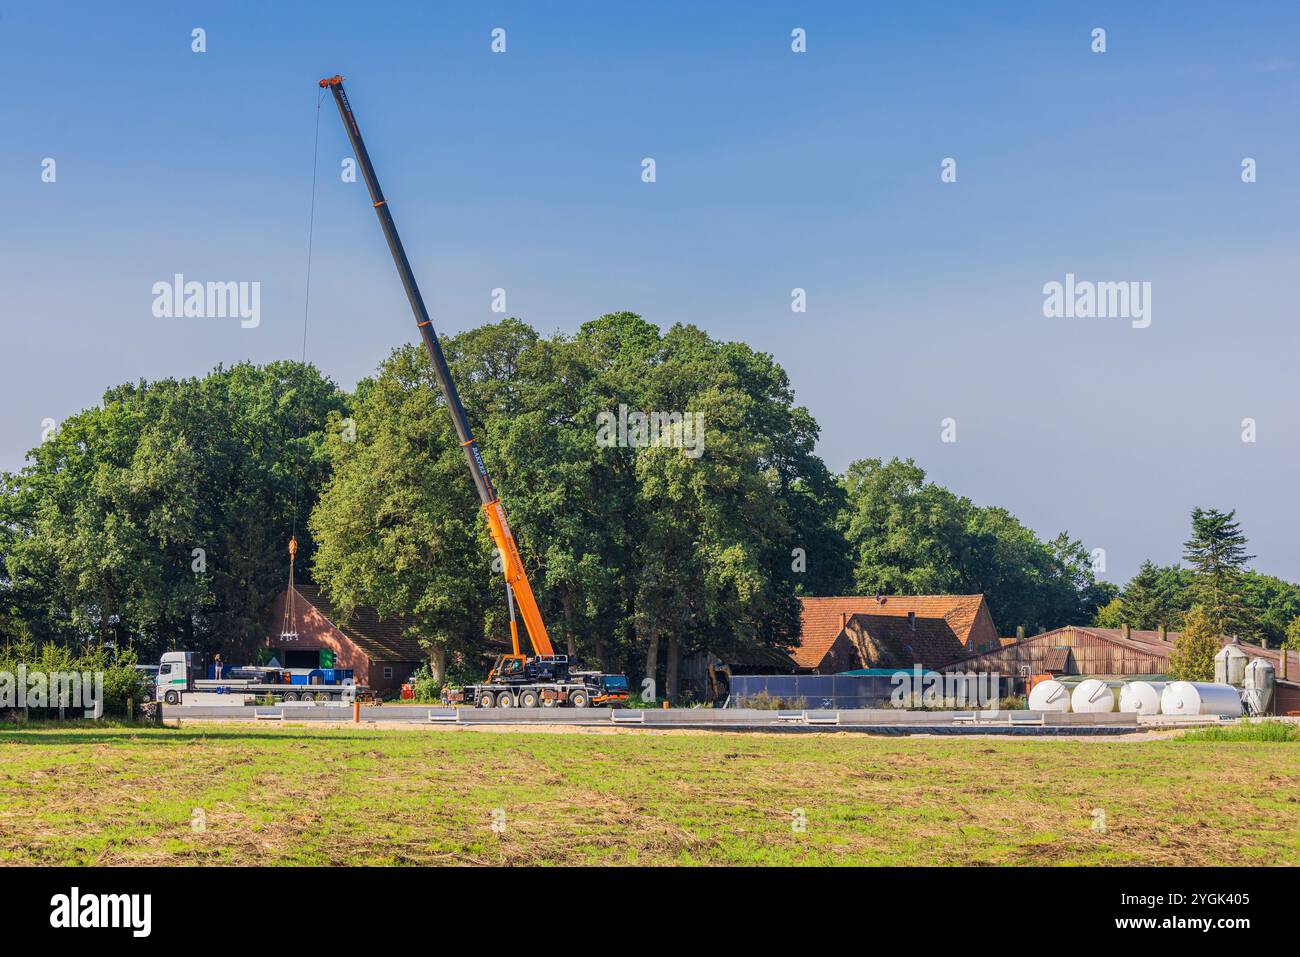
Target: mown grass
(293,795)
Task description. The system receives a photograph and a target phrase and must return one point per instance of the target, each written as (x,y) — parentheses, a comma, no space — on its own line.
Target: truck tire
(504,700)
(579,699)
(291,696)
(528,698)
(485,700)
(172,697)
(307,696)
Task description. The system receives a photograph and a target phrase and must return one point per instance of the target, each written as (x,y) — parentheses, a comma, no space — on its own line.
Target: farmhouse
(379,651)
(891,631)
(1116,653)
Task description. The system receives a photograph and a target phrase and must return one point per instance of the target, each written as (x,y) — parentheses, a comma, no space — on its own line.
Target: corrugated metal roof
(1105,651)
(1056,659)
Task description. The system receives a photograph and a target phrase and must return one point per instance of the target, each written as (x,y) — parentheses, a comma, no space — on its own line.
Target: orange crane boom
(502,536)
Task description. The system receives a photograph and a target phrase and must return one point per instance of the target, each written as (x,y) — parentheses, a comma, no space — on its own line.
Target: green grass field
(293,795)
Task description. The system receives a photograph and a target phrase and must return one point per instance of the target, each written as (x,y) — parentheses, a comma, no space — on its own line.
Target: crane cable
(289,627)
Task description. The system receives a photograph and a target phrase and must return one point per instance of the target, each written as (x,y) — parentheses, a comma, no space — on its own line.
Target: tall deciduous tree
(160,518)
(910,536)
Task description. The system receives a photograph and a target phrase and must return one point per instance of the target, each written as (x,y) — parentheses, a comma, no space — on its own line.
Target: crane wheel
(578,699)
(504,700)
(528,699)
(485,700)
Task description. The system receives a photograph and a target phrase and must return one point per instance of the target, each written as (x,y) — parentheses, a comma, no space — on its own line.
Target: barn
(1115,653)
(380,651)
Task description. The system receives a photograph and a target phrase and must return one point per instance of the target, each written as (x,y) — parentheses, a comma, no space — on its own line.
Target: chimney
(1164,632)
(1128,631)
(911,619)
(1020,632)
(1281,660)
(844,620)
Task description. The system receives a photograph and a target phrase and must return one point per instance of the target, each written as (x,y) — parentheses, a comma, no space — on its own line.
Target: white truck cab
(175,672)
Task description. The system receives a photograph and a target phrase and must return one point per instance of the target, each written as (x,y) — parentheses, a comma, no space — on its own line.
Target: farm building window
(388,671)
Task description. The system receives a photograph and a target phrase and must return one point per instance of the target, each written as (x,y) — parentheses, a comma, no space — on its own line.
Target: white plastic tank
(1230,666)
(1049,695)
(1092,696)
(1141,697)
(1200,697)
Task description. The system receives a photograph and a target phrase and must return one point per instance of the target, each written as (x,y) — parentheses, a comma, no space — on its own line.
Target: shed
(1117,653)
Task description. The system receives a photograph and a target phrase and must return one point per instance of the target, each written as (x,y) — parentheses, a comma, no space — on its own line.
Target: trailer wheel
(171,697)
(528,699)
(307,696)
(291,696)
(504,700)
(578,699)
(485,700)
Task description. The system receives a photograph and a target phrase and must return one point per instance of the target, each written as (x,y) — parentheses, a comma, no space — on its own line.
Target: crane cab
(528,669)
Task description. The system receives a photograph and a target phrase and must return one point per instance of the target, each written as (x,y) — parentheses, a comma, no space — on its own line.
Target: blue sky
(775,170)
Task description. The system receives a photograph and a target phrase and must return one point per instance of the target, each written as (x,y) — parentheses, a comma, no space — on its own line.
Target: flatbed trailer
(186,672)
(281,692)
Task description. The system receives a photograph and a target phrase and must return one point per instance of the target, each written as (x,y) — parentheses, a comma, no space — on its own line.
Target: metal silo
(1230,666)
(1258,696)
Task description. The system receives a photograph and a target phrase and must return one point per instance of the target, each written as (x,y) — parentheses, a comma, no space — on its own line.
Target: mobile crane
(543,678)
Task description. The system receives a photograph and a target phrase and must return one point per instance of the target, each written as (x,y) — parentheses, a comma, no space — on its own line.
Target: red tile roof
(903,642)
(824,618)
(382,639)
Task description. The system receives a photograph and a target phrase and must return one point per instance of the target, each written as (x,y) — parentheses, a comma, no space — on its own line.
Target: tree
(1217,553)
(1156,596)
(1111,614)
(398,524)
(630,546)
(1292,640)
(160,518)
(910,536)
(1272,604)
(1192,657)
